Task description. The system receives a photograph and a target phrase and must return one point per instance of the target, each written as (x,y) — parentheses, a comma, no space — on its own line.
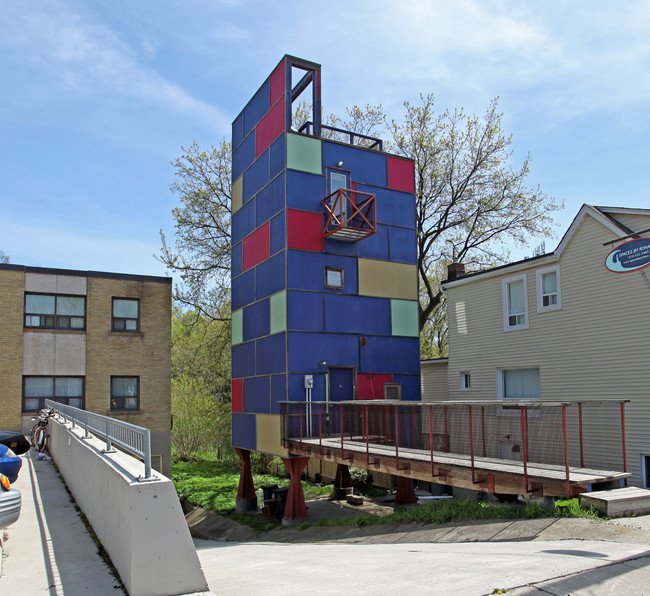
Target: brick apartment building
(93,340)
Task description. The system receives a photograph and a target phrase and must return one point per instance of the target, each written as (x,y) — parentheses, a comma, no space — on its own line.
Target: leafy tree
(470,202)
(201,252)
(3,257)
(200,383)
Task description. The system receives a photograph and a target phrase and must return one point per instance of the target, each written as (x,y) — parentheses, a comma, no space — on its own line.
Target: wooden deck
(489,474)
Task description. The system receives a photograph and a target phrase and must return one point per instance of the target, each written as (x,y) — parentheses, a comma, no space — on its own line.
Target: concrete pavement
(48,551)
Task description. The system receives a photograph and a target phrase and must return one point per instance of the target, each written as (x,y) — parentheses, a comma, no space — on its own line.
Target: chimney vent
(455,270)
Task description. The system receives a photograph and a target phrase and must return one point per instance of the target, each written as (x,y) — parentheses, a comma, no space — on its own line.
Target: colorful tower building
(324,275)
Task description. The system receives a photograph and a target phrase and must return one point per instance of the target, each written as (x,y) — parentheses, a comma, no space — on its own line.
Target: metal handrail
(374,142)
(133,439)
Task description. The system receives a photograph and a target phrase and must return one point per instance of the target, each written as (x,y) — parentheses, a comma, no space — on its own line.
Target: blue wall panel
(278,155)
(257,320)
(305,311)
(238,131)
(396,355)
(243,156)
(307,271)
(403,245)
(357,314)
(367,167)
(257,107)
(305,191)
(237,259)
(243,222)
(270,276)
(375,246)
(318,393)
(244,431)
(243,290)
(257,395)
(243,360)
(410,386)
(278,233)
(278,392)
(257,176)
(270,200)
(393,207)
(271,354)
(339,248)
(306,350)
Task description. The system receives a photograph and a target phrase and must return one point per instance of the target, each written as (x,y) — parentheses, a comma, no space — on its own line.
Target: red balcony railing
(349,215)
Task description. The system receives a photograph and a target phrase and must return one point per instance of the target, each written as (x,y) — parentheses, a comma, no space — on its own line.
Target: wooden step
(618,502)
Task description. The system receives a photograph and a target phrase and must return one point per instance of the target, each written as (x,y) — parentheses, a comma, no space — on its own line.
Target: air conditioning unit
(393,391)
(510,449)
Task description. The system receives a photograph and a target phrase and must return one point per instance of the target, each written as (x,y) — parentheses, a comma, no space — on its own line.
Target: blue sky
(99,96)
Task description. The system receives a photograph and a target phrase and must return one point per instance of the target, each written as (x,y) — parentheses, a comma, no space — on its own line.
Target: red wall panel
(304,230)
(401,174)
(237,400)
(269,128)
(372,386)
(277,81)
(256,247)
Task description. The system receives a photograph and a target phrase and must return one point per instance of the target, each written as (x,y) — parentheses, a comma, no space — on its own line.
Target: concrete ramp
(139,523)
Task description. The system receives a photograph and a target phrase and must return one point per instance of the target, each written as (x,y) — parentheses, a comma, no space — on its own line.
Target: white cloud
(76,58)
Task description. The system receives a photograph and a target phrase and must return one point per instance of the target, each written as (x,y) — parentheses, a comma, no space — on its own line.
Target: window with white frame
(515,303)
(465,381)
(548,289)
(518,383)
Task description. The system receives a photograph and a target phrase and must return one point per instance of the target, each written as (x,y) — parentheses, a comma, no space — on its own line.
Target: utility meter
(309,381)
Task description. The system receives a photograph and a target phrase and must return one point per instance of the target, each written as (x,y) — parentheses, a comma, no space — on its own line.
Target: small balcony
(349,215)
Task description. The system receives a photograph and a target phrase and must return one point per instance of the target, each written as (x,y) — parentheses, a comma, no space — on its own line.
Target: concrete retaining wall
(140,524)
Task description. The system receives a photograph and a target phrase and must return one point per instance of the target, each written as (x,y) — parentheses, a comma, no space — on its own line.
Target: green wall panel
(304,154)
(404,318)
(278,312)
(237,327)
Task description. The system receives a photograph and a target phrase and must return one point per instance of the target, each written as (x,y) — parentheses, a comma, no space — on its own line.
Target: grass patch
(448,511)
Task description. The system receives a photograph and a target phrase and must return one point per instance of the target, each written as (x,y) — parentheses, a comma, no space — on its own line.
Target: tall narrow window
(125,393)
(465,381)
(515,303)
(126,314)
(337,180)
(48,311)
(548,289)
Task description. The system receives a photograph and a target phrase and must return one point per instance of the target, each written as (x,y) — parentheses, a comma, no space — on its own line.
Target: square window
(126,314)
(333,278)
(125,393)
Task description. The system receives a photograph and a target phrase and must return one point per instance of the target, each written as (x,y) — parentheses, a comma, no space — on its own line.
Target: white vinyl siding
(595,347)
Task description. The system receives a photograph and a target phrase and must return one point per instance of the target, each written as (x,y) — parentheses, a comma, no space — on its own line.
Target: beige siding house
(561,326)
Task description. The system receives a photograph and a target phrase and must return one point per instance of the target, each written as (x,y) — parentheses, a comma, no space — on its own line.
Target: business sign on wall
(630,256)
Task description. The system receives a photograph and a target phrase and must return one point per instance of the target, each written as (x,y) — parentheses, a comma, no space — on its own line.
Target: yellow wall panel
(269,434)
(388,280)
(237,194)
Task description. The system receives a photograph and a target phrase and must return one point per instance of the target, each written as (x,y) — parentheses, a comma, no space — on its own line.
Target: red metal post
(582,453)
(524,444)
(623,438)
(415,441)
(396,440)
(300,425)
(431,436)
(365,411)
(295,509)
(341,410)
(471,439)
(483,428)
(447,439)
(566,453)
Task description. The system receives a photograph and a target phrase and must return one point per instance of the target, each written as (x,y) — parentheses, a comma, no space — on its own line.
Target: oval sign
(630,256)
